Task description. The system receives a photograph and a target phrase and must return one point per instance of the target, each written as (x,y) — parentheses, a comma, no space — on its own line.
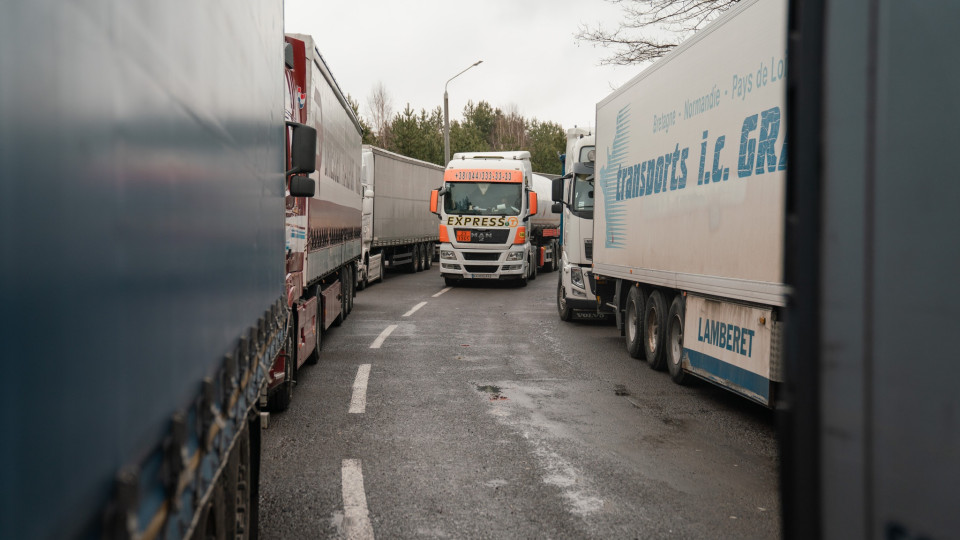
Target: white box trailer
(398,227)
(689,221)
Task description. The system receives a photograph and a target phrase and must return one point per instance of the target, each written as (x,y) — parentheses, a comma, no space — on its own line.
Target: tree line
(483,129)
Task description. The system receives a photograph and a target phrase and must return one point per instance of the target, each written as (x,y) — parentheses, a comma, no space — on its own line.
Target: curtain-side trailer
(322,231)
(689,214)
(141,273)
(398,228)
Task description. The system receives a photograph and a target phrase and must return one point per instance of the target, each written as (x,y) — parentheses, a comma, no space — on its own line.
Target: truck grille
(588,249)
(483,236)
(483,256)
(481,268)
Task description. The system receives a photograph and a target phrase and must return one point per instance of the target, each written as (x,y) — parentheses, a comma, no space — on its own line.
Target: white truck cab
(484,207)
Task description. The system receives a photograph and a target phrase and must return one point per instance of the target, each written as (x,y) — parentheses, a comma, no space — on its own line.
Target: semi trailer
(398,231)
(142,276)
(689,208)
(322,231)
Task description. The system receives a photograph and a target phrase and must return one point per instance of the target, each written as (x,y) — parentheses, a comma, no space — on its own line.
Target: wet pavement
(488,417)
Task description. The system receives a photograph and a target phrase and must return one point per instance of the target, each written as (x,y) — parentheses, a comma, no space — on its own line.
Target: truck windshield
(583,196)
(483,199)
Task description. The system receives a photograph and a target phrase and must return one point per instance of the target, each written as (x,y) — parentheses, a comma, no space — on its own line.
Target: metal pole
(446,115)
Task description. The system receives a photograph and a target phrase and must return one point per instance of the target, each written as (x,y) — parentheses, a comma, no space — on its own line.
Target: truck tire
(654,329)
(674,344)
(414,260)
(362,283)
(533,267)
(380,279)
(351,288)
(633,322)
(429,248)
(562,308)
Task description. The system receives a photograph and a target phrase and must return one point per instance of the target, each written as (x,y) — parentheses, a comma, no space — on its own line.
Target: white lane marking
(383,335)
(356,517)
(441,292)
(358,403)
(414,309)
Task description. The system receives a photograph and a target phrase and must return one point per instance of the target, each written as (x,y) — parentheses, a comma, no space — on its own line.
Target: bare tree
(636,40)
(381,113)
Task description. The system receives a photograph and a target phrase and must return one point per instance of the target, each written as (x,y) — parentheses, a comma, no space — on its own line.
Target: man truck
(689,213)
(397,230)
(142,273)
(322,231)
(484,207)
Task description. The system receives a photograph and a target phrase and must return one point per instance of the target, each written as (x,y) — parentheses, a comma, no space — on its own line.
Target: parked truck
(544,226)
(397,230)
(322,231)
(141,273)
(573,199)
(870,427)
(689,217)
(484,207)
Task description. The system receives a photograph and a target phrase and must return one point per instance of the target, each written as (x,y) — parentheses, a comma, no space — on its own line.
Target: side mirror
(302,186)
(557,208)
(533,202)
(557,195)
(303,149)
(434,200)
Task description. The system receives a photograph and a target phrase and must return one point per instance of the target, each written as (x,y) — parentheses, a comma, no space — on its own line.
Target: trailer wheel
(381,270)
(362,283)
(414,260)
(633,324)
(351,287)
(428,250)
(675,341)
(536,262)
(654,329)
(562,308)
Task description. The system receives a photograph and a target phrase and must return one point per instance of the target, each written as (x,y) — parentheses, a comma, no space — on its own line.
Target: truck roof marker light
(444,235)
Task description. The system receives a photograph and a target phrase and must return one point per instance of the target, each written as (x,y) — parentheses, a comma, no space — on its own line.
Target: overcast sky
(530,58)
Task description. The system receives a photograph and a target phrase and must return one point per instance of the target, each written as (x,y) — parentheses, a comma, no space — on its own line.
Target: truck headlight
(514,255)
(576,277)
(447,254)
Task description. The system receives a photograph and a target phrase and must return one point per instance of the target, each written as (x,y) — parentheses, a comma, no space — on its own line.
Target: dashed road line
(358,403)
(414,309)
(442,291)
(356,517)
(383,335)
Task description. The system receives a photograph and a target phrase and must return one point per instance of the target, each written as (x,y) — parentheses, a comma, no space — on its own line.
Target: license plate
(463,236)
(483,276)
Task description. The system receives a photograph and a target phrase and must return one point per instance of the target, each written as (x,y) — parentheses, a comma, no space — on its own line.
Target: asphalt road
(485,416)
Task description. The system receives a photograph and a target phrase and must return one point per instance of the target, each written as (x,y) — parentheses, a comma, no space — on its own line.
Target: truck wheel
(351,288)
(675,341)
(362,282)
(428,250)
(280,399)
(533,266)
(633,324)
(654,319)
(414,260)
(562,308)
(381,270)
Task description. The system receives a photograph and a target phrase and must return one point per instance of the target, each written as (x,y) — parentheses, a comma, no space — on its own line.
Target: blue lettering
(729,337)
(722,338)
(651,174)
(700,329)
(748,147)
(627,184)
(643,179)
(619,184)
(636,180)
(682,181)
(769,129)
(783,155)
(703,158)
(673,170)
(718,172)
(736,339)
(658,176)
(750,348)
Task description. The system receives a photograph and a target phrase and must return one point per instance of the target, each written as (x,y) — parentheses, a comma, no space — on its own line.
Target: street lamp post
(446,115)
